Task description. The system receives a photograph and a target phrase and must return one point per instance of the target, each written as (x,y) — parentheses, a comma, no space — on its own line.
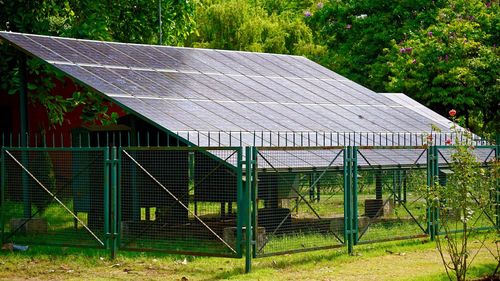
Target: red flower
(429,138)
(452,112)
(448,141)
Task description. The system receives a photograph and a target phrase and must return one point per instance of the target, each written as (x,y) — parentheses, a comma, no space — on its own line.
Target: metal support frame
(432,174)
(247,207)
(350,198)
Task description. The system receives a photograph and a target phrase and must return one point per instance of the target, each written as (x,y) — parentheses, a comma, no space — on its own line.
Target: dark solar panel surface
(192,90)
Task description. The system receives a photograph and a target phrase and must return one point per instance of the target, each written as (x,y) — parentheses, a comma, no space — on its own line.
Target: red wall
(38,121)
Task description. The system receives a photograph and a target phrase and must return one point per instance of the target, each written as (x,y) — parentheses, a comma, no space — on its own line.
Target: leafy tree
(134,21)
(452,63)
(356,33)
(260,26)
(441,52)
(466,202)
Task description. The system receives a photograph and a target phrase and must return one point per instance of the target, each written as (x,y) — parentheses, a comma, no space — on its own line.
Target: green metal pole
(247,209)
(114,169)
(430,181)
(355,195)
(254,194)
(106,198)
(347,198)
(435,176)
(23,117)
(118,198)
(239,199)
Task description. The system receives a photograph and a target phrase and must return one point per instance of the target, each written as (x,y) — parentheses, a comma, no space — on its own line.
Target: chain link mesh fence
(54,197)
(300,200)
(484,178)
(391,197)
(180,200)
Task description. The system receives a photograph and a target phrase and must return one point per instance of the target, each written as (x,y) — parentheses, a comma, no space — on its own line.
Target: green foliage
(465,202)
(440,53)
(133,21)
(356,32)
(451,63)
(257,26)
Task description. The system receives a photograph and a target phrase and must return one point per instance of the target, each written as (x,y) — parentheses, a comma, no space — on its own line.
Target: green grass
(415,260)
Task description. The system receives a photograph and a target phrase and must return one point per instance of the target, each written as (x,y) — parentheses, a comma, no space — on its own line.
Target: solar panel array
(184,89)
(200,93)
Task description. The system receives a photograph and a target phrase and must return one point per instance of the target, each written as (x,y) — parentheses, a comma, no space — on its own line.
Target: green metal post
(430,184)
(118,198)
(247,209)
(355,195)
(239,199)
(114,168)
(347,199)
(254,207)
(106,198)
(23,117)
(435,175)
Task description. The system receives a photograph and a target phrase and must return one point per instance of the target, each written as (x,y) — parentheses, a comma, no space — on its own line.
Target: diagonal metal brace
(178,201)
(55,198)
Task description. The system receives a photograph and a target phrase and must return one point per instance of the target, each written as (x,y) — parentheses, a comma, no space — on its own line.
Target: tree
(134,21)
(452,63)
(356,33)
(259,26)
(442,53)
(465,202)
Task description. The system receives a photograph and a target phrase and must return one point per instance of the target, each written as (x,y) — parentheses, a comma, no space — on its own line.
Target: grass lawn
(404,260)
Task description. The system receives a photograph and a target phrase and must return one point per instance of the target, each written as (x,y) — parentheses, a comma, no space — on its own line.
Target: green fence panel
(54,196)
(483,195)
(391,198)
(180,200)
(299,201)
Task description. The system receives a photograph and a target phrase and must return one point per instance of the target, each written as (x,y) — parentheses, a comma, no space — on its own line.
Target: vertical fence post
(435,175)
(107,233)
(114,169)
(348,198)
(432,165)
(247,208)
(354,169)
(23,141)
(254,207)
(239,200)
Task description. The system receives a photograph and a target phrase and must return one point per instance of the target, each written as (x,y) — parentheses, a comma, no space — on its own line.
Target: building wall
(38,121)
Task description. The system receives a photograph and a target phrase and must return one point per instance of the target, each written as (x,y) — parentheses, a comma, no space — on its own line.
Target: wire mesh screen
(299,208)
(179,200)
(54,197)
(472,183)
(391,200)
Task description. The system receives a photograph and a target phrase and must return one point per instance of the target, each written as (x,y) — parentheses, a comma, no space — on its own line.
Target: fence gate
(485,193)
(297,207)
(391,198)
(181,199)
(55,196)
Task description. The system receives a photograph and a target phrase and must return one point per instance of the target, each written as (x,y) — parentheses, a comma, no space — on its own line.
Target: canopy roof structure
(223,98)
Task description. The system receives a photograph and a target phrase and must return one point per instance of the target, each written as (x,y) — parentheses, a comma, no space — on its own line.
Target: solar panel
(198,90)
